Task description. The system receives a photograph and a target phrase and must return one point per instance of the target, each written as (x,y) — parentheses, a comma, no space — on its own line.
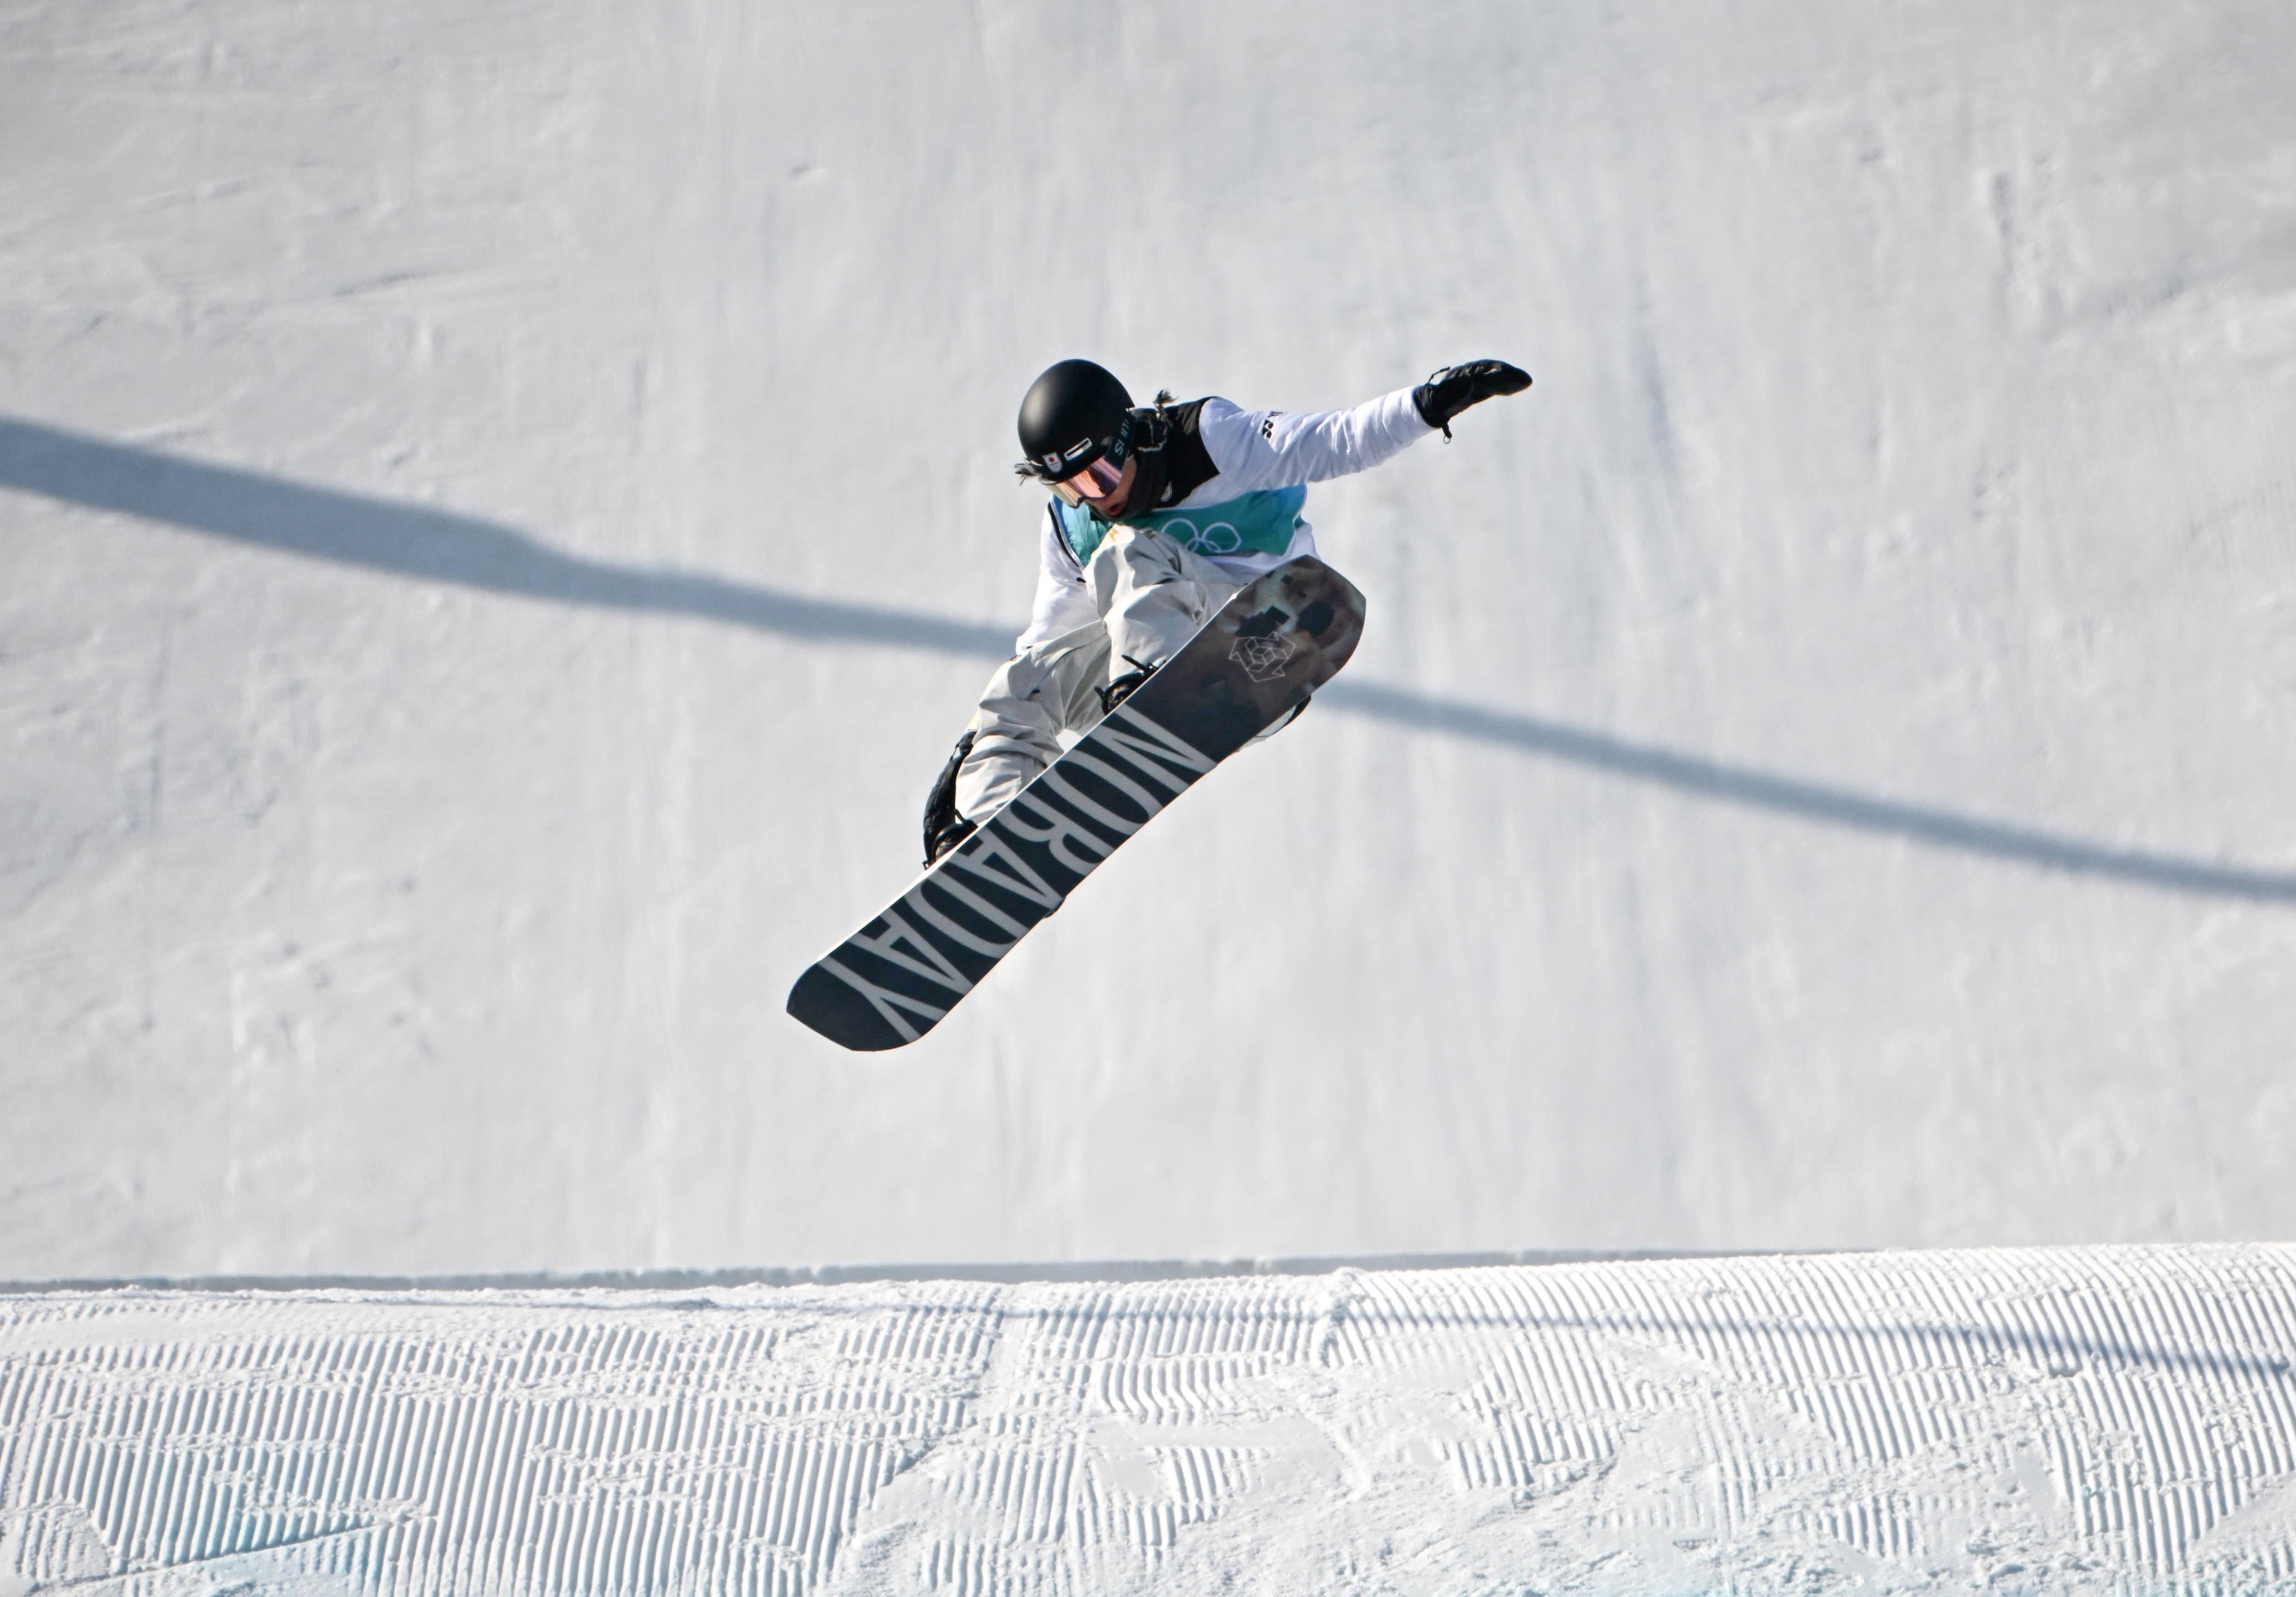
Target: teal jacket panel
(1261,523)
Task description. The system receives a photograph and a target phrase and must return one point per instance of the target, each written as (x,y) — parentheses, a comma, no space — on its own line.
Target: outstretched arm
(1257,449)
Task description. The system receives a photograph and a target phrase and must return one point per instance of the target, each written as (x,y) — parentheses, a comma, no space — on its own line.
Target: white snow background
(504,508)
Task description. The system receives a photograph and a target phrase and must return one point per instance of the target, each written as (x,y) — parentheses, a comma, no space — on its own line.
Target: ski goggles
(1096,478)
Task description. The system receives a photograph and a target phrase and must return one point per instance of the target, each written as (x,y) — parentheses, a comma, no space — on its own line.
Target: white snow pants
(1153,596)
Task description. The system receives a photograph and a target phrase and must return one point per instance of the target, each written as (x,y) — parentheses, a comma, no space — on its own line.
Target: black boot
(1116,692)
(944,829)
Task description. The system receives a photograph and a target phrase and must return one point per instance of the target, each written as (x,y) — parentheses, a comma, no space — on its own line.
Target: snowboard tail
(1279,639)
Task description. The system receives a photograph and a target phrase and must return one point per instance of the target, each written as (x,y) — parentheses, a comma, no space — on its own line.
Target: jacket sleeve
(1255,449)
(1063,603)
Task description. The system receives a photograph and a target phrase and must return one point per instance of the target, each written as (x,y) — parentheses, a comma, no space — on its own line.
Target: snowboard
(1279,639)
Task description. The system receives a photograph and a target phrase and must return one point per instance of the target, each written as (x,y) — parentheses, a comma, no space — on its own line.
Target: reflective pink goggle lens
(1097,480)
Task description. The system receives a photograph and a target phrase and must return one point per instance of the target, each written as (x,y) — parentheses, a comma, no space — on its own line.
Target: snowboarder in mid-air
(1159,514)
(1181,614)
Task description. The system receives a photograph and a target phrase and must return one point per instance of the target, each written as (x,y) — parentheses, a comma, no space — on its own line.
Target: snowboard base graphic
(1282,637)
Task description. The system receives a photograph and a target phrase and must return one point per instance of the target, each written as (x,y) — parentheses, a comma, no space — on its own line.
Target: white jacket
(1251,452)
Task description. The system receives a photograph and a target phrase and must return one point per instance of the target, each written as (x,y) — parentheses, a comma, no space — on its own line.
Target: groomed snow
(2071,1420)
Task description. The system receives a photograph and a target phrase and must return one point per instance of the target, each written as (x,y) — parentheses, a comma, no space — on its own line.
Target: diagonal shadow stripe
(413,540)
(1810,800)
(434,546)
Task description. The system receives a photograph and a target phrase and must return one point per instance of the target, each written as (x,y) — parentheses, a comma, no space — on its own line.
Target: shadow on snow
(433,545)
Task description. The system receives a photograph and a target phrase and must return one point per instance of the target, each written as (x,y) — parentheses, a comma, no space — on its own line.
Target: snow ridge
(2117,1419)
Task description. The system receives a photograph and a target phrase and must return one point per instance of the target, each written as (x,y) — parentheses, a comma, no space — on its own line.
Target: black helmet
(1076,414)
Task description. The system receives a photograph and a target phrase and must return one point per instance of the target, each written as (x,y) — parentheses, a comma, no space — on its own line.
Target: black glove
(1453,388)
(944,828)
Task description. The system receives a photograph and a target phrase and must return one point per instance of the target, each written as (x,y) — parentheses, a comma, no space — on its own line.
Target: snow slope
(503,509)
(2067,1421)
